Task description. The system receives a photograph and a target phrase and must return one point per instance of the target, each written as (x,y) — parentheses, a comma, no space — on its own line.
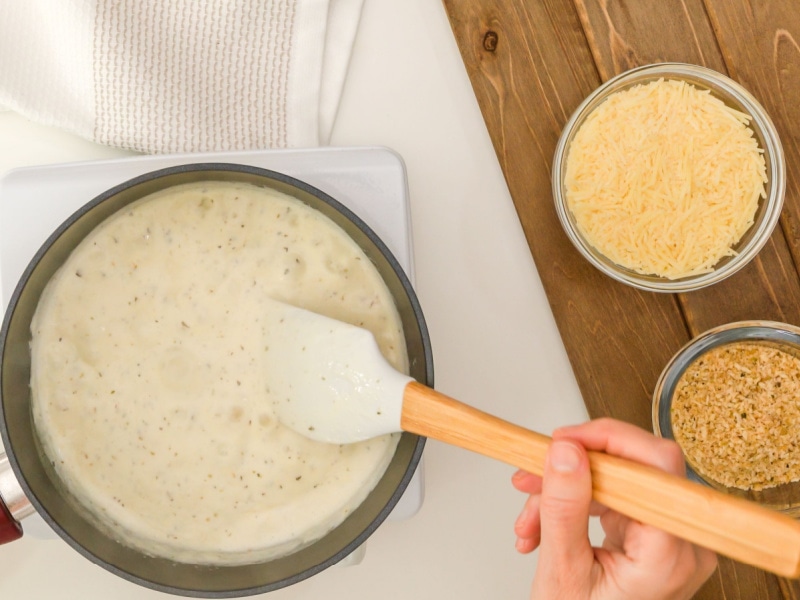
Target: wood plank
(531,63)
(760,43)
(623,35)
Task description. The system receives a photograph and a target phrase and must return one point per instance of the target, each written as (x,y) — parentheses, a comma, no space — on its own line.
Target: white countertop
(495,342)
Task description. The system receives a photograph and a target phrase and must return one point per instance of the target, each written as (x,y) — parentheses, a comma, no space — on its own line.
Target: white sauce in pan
(149,375)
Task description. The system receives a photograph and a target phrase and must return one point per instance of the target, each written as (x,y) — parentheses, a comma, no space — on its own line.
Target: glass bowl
(784,497)
(733,95)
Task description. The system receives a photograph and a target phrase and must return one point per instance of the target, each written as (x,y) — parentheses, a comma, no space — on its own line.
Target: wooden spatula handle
(731,526)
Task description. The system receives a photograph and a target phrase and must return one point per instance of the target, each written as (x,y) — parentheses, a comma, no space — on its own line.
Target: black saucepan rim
(206,171)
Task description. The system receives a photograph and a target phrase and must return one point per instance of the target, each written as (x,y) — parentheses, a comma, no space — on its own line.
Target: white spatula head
(328,380)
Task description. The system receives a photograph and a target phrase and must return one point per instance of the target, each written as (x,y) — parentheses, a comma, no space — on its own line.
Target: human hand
(636,560)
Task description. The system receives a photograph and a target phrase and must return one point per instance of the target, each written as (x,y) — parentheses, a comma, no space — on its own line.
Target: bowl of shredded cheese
(731,399)
(669,177)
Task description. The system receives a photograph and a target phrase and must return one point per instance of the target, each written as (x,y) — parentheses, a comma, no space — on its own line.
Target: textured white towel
(179,75)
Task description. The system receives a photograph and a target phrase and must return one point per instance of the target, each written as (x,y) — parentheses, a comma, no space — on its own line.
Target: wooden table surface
(531,62)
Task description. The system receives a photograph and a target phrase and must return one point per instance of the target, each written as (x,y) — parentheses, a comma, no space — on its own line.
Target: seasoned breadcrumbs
(736,414)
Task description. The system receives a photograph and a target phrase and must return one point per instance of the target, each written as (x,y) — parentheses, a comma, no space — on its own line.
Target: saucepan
(27,480)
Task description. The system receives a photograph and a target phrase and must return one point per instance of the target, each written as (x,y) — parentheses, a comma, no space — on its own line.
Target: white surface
(494,339)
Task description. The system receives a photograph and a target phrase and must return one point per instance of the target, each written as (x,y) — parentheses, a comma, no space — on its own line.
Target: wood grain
(760,42)
(531,62)
(623,35)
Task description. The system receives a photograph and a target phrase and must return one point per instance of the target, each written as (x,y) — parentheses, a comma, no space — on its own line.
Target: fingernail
(564,457)
(519,475)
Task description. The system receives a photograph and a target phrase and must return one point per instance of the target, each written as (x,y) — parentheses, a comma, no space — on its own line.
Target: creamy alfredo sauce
(149,370)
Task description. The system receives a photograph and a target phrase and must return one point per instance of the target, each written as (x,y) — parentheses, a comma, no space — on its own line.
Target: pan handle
(14,506)
(10,529)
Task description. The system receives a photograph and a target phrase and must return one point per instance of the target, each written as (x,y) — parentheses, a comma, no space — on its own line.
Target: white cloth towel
(163,76)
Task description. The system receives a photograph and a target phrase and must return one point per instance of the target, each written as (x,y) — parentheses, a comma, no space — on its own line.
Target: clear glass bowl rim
(783,334)
(776,174)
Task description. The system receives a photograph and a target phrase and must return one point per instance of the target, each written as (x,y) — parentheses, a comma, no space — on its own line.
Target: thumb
(564,507)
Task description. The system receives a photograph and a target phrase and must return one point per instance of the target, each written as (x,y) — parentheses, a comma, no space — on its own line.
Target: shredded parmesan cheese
(664,179)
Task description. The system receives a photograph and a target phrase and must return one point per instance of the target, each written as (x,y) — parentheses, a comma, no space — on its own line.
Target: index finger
(626,441)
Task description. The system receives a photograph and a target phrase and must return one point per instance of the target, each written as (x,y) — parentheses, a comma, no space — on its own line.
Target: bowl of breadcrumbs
(731,399)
